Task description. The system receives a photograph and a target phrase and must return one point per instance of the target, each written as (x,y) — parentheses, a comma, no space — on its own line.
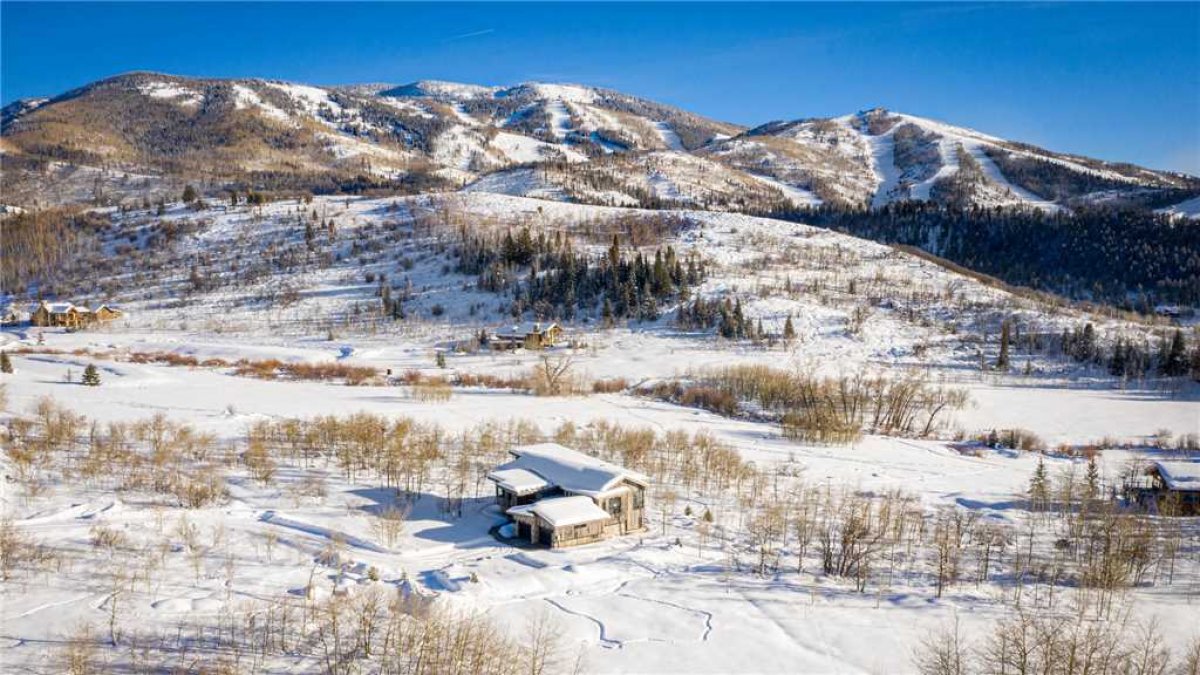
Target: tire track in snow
(605,641)
(708,617)
(51,605)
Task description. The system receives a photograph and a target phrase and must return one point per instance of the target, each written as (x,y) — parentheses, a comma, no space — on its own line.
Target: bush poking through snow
(1038,643)
(18,550)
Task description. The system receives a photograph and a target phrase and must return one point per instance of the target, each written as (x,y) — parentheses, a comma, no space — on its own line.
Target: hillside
(143,135)
(880,157)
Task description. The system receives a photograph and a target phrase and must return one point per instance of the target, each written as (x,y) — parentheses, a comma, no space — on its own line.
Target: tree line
(1131,258)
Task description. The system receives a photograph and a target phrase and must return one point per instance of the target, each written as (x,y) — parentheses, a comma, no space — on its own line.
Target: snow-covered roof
(564,511)
(524,328)
(520,481)
(1180,475)
(58,307)
(565,468)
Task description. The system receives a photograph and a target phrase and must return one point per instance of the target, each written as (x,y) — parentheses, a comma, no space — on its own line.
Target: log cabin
(560,497)
(106,313)
(60,314)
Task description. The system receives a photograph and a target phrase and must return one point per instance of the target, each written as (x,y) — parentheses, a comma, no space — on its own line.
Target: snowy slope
(444,134)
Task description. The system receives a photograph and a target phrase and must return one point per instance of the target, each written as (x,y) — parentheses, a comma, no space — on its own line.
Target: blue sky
(1115,81)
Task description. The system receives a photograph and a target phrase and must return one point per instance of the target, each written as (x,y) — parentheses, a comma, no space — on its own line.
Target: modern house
(528,334)
(1169,488)
(559,497)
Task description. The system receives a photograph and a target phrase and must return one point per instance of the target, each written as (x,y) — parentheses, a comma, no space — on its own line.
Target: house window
(639,499)
(614,507)
(581,530)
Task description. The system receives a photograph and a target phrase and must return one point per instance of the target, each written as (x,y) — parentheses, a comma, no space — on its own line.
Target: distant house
(106,313)
(528,334)
(10,315)
(60,314)
(560,497)
(1171,486)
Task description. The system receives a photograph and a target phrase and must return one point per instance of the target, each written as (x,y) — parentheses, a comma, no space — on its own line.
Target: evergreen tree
(189,194)
(1118,363)
(1092,480)
(91,376)
(789,331)
(1173,362)
(1087,345)
(1039,486)
(5,363)
(1005,337)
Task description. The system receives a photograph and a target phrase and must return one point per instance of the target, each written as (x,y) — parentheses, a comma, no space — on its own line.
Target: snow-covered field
(682,597)
(637,604)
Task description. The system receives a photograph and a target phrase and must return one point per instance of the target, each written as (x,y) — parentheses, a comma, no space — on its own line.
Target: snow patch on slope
(518,183)
(1186,209)
(668,136)
(245,97)
(797,196)
(165,90)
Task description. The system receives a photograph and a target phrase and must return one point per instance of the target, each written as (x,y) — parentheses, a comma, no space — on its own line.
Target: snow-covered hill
(878,157)
(431,135)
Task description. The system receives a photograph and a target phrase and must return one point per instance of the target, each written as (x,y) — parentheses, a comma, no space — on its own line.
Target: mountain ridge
(590,145)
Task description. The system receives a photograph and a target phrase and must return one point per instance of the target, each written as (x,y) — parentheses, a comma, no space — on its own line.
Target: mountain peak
(439,89)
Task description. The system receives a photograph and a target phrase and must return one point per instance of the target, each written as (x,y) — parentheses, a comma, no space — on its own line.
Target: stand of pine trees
(547,276)
(1124,357)
(1131,258)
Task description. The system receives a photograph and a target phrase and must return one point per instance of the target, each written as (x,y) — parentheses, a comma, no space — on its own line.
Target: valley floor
(656,602)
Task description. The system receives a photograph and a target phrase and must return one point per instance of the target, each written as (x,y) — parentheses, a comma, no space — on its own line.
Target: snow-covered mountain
(879,157)
(139,133)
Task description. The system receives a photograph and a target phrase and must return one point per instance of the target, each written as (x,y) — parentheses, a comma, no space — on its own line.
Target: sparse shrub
(18,550)
(709,398)
(610,386)
(433,391)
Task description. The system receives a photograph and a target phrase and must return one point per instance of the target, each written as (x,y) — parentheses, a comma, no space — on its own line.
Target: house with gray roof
(559,497)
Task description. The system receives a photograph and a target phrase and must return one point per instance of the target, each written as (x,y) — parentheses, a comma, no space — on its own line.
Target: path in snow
(798,196)
(560,119)
(883,163)
(996,176)
(668,136)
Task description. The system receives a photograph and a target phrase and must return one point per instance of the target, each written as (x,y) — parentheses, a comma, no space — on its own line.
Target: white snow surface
(166,90)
